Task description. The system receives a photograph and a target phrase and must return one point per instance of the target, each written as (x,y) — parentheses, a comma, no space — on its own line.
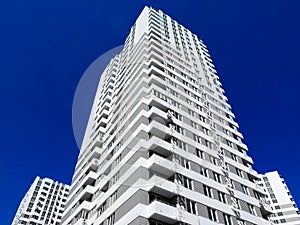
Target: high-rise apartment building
(161,145)
(43,203)
(281,200)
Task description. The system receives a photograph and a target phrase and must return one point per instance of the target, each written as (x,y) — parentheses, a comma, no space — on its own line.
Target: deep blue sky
(45,46)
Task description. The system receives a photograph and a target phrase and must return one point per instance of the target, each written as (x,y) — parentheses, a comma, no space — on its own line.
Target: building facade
(162,145)
(281,200)
(43,203)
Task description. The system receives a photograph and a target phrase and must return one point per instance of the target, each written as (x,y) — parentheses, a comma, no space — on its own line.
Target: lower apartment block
(43,203)
(278,194)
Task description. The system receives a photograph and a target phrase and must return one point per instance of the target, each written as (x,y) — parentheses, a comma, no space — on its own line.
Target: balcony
(256,186)
(104,113)
(165,212)
(102,121)
(160,147)
(87,193)
(75,210)
(161,166)
(266,209)
(160,130)
(162,186)
(92,165)
(96,151)
(161,198)
(89,179)
(159,103)
(157,79)
(158,115)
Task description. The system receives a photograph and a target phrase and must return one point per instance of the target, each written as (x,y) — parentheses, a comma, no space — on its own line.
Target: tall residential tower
(43,203)
(161,145)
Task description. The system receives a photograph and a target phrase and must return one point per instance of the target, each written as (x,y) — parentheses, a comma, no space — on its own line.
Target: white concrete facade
(161,145)
(278,194)
(43,203)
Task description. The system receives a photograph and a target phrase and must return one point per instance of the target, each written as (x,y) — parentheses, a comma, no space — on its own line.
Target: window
(239,172)
(217,177)
(203,171)
(194,125)
(251,209)
(205,131)
(272,195)
(178,143)
(202,118)
(177,128)
(213,160)
(112,198)
(245,189)
(199,108)
(256,194)
(229,143)
(185,163)
(45,188)
(221,197)
(191,206)
(187,182)
(188,101)
(225,131)
(191,112)
(227,219)
(111,219)
(207,143)
(207,191)
(197,138)
(212,214)
(200,153)
(115,178)
(234,157)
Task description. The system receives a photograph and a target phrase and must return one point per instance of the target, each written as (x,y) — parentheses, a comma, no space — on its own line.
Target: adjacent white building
(281,200)
(162,145)
(43,203)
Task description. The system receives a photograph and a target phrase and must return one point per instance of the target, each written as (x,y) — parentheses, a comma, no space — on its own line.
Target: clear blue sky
(45,46)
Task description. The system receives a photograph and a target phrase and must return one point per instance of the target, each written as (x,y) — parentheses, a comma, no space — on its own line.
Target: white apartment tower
(43,203)
(161,146)
(281,200)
